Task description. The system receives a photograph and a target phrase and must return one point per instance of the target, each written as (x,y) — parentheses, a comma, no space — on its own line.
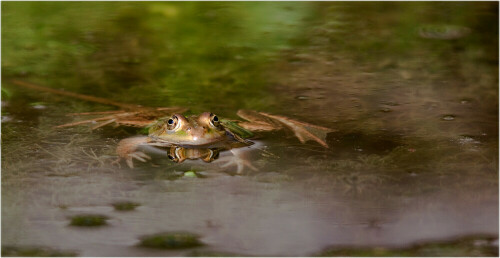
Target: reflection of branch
(76,95)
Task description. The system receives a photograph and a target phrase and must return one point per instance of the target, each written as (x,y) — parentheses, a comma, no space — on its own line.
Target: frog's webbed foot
(127,149)
(238,160)
(240,164)
(267,122)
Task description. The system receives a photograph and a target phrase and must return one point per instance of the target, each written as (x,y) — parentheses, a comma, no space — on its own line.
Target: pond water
(411,90)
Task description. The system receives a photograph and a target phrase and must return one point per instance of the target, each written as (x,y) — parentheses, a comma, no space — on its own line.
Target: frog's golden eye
(214,120)
(173,123)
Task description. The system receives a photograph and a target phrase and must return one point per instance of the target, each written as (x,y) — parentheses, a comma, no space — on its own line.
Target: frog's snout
(196,133)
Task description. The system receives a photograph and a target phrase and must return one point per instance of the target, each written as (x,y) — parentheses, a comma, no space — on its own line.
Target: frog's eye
(214,120)
(172,123)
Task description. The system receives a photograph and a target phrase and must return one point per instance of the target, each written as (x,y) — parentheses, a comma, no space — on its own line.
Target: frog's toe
(130,163)
(139,155)
(240,164)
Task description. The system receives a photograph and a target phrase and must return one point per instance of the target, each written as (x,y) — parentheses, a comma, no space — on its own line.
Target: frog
(196,136)
(200,136)
(203,136)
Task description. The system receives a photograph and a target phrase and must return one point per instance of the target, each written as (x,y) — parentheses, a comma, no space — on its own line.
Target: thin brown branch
(75,95)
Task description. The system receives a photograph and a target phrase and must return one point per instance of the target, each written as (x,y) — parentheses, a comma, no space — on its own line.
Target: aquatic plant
(88,220)
(125,206)
(171,240)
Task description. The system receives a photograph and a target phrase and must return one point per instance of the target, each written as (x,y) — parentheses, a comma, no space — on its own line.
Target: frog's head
(193,131)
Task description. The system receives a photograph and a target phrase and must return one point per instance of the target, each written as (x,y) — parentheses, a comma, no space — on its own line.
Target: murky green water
(411,89)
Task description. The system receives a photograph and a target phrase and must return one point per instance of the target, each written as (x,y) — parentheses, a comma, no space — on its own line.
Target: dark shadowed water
(411,90)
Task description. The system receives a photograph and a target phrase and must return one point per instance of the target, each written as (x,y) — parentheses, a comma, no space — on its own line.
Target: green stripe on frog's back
(236,129)
(156,127)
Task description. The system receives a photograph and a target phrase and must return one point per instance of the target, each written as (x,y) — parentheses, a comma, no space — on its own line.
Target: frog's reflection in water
(180,154)
(235,156)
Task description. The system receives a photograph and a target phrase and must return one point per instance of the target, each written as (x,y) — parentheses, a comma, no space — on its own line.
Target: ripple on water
(448,117)
(467,139)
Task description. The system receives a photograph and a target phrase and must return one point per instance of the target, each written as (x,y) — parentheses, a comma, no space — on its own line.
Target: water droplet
(448,117)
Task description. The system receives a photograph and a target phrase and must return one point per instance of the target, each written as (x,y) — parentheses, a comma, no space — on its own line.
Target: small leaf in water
(89,220)
(190,174)
(171,240)
(125,206)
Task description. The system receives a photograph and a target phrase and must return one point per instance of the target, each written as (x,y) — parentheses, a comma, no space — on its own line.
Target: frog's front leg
(128,149)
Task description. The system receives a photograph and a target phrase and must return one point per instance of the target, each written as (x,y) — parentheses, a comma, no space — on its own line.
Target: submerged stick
(76,95)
